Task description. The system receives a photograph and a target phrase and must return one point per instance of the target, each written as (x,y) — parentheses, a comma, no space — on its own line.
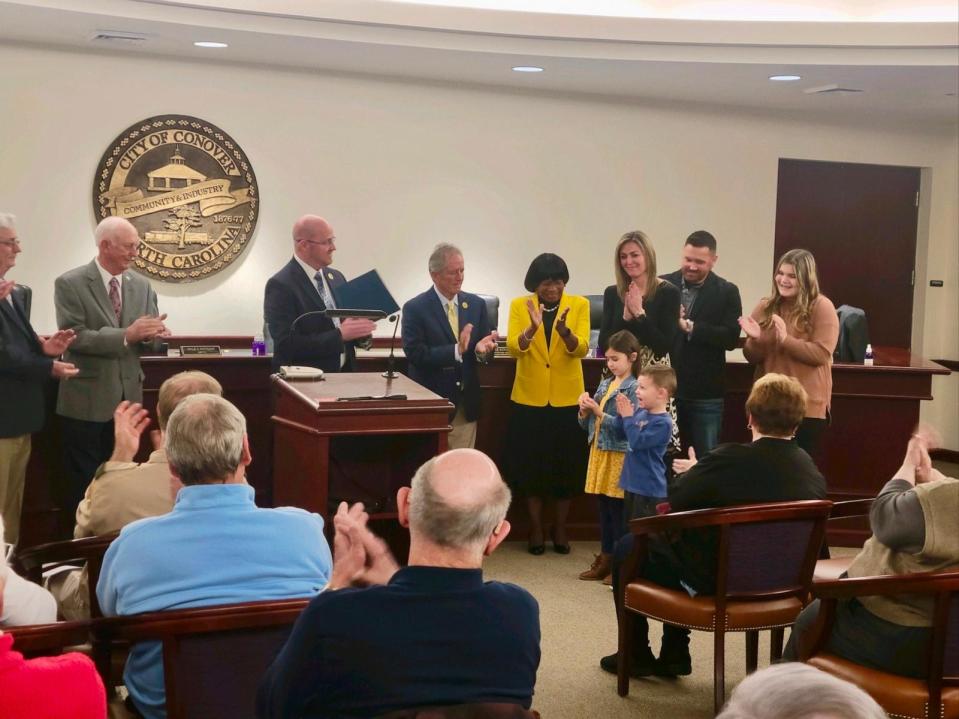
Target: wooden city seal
(189,190)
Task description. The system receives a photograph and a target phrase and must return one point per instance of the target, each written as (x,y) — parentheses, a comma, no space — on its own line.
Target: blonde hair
(179,387)
(776,404)
(804,264)
(638,238)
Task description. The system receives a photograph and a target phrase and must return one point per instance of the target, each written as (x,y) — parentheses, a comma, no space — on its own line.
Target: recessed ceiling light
(210,43)
(527,68)
(785,78)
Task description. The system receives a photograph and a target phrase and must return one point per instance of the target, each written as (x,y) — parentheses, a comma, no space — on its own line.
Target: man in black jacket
(708,322)
(307,283)
(26,364)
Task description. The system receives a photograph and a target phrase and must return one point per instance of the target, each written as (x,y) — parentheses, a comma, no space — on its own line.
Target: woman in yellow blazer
(546,451)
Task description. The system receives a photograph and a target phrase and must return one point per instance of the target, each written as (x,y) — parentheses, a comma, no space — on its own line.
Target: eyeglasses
(10,243)
(325,243)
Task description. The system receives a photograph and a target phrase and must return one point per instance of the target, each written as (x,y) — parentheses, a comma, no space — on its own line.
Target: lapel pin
(329,275)
(465,305)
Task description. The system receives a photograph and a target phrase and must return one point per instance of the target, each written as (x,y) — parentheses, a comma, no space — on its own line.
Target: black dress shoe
(561,548)
(641,666)
(676,665)
(536,549)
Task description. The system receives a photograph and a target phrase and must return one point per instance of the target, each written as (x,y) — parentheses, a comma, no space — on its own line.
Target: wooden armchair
(765,559)
(89,550)
(833,567)
(44,640)
(937,695)
(213,657)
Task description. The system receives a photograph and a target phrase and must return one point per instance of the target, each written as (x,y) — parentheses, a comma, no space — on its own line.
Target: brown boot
(600,569)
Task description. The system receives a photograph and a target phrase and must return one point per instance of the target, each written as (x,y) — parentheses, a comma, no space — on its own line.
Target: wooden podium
(329,445)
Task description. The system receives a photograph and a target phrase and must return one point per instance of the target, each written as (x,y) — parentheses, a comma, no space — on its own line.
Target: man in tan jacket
(123,491)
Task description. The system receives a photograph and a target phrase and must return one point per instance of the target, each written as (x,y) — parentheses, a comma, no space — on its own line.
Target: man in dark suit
(26,365)
(445,332)
(708,321)
(308,284)
(114,313)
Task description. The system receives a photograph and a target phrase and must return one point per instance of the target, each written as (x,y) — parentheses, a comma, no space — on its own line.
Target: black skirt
(546,451)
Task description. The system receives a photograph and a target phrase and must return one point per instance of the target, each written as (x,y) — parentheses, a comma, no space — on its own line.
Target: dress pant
(700,423)
(86,445)
(809,435)
(14,455)
(463,434)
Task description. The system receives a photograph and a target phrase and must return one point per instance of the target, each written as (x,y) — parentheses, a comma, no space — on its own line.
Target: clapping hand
(360,558)
(63,370)
(487,344)
(750,327)
(779,326)
(682,465)
(465,334)
(587,404)
(535,316)
(633,304)
(146,328)
(624,406)
(129,422)
(57,343)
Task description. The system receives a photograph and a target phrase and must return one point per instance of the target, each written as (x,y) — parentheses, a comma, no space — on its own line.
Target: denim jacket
(610,437)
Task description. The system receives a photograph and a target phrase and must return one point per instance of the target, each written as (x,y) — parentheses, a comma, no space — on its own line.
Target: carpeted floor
(579,626)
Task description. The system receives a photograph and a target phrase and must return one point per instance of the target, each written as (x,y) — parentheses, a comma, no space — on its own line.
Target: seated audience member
(432,633)
(771,468)
(915,528)
(215,547)
(123,491)
(798,691)
(21,602)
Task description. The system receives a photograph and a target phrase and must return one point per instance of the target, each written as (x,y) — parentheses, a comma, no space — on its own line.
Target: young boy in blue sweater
(648,430)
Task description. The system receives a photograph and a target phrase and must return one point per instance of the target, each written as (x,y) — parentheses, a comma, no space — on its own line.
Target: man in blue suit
(27,363)
(307,283)
(445,333)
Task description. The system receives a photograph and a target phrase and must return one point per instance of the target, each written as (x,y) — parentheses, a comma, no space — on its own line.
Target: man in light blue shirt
(215,547)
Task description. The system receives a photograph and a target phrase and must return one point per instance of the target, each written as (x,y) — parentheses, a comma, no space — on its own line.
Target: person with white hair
(27,363)
(114,313)
(215,547)
(798,691)
(428,634)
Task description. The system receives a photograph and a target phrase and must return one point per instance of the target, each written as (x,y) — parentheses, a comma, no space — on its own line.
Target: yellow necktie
(454,319)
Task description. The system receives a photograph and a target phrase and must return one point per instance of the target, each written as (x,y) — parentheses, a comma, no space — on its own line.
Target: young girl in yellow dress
(608,446)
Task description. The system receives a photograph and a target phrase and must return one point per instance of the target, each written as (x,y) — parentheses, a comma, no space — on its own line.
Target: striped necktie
(326,295)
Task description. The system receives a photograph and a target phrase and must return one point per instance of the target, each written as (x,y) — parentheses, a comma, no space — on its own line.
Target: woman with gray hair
(799,691)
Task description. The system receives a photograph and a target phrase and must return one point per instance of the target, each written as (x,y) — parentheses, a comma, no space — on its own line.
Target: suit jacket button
(547,365)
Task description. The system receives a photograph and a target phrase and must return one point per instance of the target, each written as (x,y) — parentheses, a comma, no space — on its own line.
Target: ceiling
(908,71)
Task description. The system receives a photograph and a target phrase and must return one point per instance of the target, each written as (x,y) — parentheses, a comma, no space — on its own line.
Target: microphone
(340,314)
(390,373)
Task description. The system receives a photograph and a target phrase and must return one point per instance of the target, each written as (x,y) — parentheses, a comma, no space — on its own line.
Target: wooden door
(860,223)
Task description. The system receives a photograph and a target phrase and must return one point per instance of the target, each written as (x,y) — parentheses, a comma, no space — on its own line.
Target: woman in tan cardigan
(794,331)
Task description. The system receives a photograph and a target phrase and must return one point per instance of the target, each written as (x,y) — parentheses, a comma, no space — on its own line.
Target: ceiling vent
(831,90)
(118,37)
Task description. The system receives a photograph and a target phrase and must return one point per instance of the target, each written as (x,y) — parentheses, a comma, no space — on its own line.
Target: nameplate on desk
(200,350)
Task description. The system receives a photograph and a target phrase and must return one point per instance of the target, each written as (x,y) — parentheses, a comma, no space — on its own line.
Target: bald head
(314,241)
(457,499)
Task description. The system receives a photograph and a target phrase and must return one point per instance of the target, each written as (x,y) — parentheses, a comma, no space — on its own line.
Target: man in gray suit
(113,312)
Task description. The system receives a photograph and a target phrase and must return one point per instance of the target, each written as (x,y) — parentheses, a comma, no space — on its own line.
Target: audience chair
(45,640)
(905,698)
(213,657)
(833,567)
(765,559)
(35,560)
(480,710)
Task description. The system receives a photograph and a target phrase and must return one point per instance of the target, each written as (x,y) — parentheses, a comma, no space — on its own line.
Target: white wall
(398,166)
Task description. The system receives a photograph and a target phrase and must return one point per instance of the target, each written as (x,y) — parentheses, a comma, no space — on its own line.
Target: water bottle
(869,358)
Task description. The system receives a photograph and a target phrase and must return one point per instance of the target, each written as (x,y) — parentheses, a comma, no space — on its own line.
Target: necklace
(549,309)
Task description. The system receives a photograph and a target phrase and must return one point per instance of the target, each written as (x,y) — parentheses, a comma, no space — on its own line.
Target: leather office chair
(89,550)
(595,318)
(936,695)
(492,309)
(213,657)
(765,559)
